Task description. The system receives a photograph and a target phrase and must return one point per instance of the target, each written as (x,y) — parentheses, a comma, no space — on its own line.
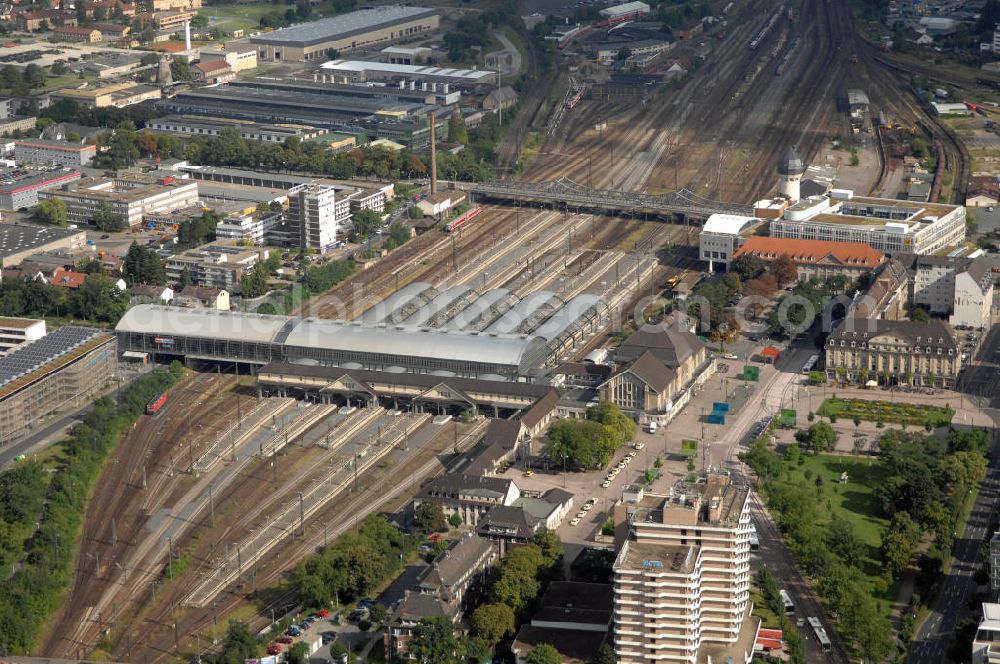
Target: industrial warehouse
(364,28)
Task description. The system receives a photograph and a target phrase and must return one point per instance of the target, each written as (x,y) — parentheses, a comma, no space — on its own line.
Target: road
(773,394)
(930,644)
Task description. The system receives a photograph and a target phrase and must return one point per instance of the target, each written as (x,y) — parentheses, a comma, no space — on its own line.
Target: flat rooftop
(15,238)
(343,26)
(361,66)
(18,323)
(907,212)
(14,181)
(685,496)
(659,558)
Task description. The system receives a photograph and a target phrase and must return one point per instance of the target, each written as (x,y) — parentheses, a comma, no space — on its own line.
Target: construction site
(211,502)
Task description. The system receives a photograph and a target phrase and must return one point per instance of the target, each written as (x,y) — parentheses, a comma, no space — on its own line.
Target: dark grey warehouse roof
(340,27)
(15,238)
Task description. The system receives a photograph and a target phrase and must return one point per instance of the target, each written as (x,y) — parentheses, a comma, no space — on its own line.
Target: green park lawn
(895,411)
(235,17)
(852,502)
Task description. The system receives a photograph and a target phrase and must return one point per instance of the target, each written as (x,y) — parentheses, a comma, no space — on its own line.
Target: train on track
(783,63)
(576,94)
(154,405)
(456,224)
(759,37)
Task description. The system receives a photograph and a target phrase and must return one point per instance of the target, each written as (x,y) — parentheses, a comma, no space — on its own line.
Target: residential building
(68,278)
(682,574)
(500,99)
(448,588)
(59,372)
(204,297)
(573,617)
(955,286)
(469,496)
(816,259)
(62,153)
(887,225)
(893,352)
(213,72)
(131,198)
(240,55)
(150,294)
(254,226)
(986,643)
(315,213)
(20,189)
(33,21)
(362,29)
(16,332)
(20,240)
(110,7)
(17,123)
(171,20)
(112,32)
(657,368)
(85,35)
(217,265)
(994,566)
(173,5)
(887,296)
(721,235)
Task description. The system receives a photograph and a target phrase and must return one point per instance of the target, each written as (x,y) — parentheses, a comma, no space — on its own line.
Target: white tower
(790,170)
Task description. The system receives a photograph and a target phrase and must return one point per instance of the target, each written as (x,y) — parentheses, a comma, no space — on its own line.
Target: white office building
(986,644)
(315,211)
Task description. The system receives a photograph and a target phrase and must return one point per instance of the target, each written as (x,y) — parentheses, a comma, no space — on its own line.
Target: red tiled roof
(207,67)
(855,254)
(68,279)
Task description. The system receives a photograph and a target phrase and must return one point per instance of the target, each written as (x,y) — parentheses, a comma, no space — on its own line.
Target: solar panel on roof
(37,354)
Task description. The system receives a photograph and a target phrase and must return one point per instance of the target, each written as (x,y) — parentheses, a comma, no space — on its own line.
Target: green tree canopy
(143,266)
(366,222)
(51,211)
(106,219)
(543,654)
(253,283)
(493,622)
(429,517)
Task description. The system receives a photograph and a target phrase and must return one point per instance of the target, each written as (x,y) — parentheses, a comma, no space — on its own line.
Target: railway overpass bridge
(563,191)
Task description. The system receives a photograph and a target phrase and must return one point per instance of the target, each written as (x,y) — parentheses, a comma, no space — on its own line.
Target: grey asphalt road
(930,644)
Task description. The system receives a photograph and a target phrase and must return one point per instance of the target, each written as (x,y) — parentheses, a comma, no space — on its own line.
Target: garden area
(887,411)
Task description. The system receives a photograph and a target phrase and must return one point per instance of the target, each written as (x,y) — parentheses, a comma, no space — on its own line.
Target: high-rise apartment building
(314,213)
(682,574)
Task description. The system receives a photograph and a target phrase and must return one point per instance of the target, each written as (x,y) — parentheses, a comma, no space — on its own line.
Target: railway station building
(213,336)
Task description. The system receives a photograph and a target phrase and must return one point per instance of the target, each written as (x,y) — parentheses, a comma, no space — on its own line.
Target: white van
(651,427)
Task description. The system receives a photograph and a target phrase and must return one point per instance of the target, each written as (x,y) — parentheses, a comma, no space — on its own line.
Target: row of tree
(35,590)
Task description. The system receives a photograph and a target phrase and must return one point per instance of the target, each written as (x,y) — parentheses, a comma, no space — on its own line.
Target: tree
(493,622)
(543,654)
(784,270)
(377,613)
(366,222)
(298,653)
(845,543)
(34,76)
(457,130)
(99,299)
(106,219)
(605,655)
(51,211)
(180,70)
(399,234)
(434,642)
(818,437)
(455,520)
(749,267)
(919,315)
(253,283)
(610,415)
(143,266)
(428,517)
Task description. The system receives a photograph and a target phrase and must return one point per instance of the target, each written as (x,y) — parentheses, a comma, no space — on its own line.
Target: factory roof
(20,323)
(623,9)
(11,183)
(728,224)
(54,145)
(15,238)
(359,66)
(340,27)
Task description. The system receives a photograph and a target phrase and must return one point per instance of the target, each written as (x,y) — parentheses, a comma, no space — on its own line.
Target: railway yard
(211,502)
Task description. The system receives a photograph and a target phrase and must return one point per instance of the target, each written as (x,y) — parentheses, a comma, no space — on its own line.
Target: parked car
(285,639)
(274,649)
